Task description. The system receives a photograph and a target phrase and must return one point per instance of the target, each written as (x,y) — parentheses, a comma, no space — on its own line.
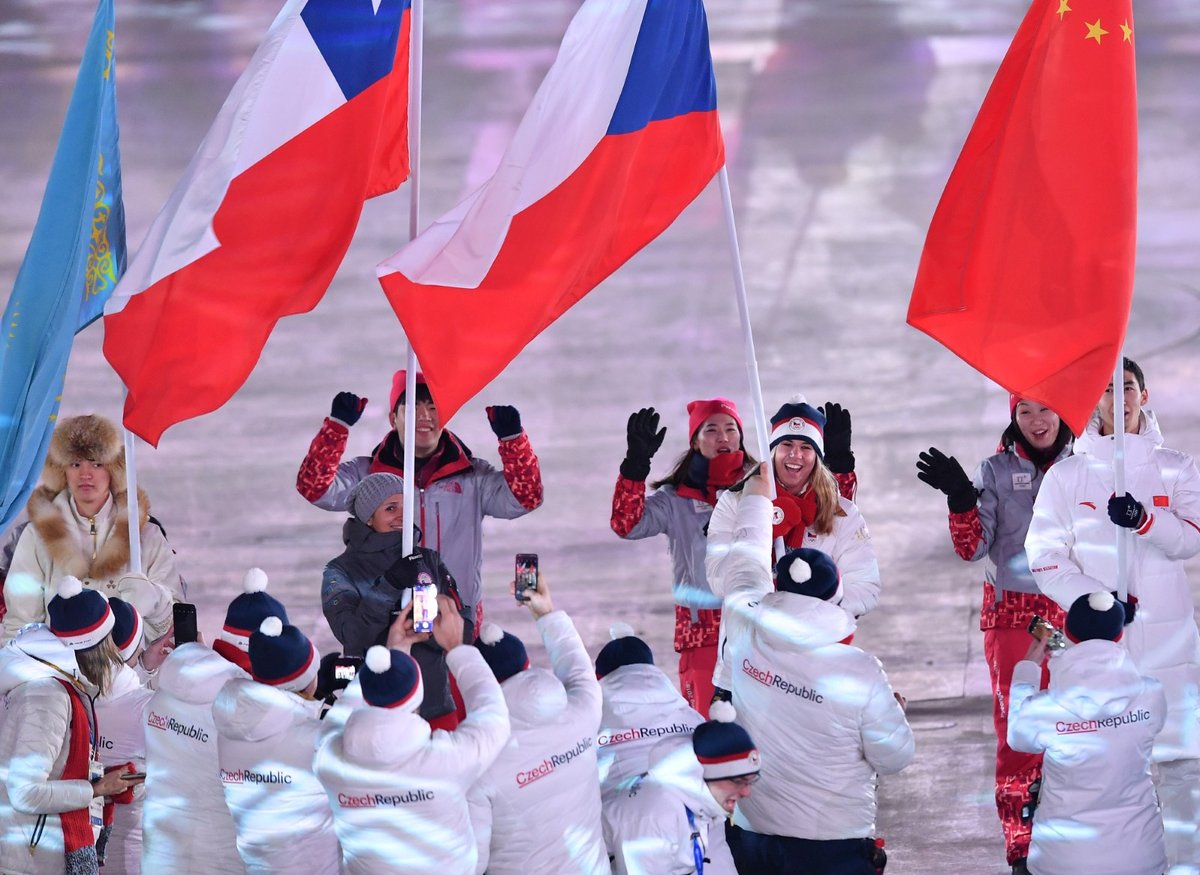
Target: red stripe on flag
(621,197)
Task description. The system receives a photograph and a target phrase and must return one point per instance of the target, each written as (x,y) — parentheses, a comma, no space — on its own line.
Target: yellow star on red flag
(1095,31)
(1127,31)
(1063,9)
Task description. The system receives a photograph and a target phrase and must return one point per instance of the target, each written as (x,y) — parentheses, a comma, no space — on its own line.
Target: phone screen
(185,623)
(424,603)
(526,574)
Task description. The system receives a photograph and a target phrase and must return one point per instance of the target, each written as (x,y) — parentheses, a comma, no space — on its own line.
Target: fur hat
(625,648)
(503,652)
(391,679)
(797,420)
(88,438)
(809,572)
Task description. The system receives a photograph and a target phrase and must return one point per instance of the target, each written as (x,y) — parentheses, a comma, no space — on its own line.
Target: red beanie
(698,411)
(398,380)
(1013,400)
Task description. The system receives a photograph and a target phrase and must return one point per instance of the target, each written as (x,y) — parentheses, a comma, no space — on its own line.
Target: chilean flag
(264,214)
(621,137)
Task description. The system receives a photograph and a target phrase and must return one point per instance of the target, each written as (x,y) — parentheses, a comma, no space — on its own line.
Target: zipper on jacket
(92,520)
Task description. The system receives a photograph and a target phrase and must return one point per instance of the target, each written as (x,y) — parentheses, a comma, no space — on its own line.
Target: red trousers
(696,666)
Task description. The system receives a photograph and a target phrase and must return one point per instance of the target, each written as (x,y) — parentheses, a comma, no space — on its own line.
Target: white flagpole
(131,497)
(416,58)
(1119,470)
(739,284)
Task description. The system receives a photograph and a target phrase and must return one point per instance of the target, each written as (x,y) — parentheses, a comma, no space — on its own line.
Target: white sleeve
(1049,541)
(1175,529)
(479,739)
(25,586)
(1024,705)
(38,733)
(887,739)
(479,804)
(720,537)
(571,664)
(856,563)
(745,568)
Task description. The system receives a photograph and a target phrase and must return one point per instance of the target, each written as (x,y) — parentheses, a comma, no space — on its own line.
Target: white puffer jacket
(186,826)
(642,707)
(122,717)
(399,791)
(646,822)
(1071,549)
(821,712)
(1097,811)
(33,753)
(849,545)
(266,739)
(546,773)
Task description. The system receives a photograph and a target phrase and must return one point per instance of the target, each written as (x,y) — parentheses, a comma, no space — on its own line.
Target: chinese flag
(1027,271)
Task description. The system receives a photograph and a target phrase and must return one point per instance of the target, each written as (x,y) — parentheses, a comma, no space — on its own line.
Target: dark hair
(422,395)
(1012,435)
(1132,366)
(679,472)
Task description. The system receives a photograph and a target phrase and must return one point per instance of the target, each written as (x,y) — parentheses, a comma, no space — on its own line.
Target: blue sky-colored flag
(75,256)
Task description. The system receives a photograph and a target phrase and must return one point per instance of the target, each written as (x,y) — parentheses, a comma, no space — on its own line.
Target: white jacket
(122,717)
(1097,811)
(642,707)
(849,545)
(646,822)
(821,712)
(399,791)
(186,825)
(266,739)
(33,754)
(537,808)
(1071,549)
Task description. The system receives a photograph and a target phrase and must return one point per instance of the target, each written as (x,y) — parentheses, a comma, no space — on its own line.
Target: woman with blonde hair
(79,526)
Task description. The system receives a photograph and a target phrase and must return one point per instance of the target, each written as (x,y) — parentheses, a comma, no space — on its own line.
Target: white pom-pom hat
(246,614)
(391,679)
(81,618)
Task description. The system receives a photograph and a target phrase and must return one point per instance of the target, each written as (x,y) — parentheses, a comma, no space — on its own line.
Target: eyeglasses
(743,781)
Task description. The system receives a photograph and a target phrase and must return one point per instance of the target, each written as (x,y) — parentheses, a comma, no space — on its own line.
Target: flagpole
(1119,470)
(416,59)
(739,285)
(132,503)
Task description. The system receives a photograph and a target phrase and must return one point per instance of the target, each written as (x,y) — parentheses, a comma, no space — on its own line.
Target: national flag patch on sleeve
(1162,501)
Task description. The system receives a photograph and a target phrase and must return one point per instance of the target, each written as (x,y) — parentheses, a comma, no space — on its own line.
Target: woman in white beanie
(79,526)
(52,787)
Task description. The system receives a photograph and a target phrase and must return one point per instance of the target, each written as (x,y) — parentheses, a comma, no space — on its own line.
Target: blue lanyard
(697,850)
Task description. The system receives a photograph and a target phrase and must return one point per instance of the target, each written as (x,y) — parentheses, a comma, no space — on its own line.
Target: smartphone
(1043,631)
(424,602)
(344,670)
(133,776)
(526,574)
(185,623)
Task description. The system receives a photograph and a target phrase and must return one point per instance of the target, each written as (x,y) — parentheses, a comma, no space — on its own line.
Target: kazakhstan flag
(75,256)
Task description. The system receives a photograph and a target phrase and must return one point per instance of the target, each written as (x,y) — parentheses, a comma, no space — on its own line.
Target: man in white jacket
(399,790)
(1071,550)
(671,820)
(1096,812)
(536,811)
(642,708)
(822,711)
(267,731)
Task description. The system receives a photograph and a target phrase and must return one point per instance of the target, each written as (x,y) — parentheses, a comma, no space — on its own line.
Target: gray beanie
(371,492)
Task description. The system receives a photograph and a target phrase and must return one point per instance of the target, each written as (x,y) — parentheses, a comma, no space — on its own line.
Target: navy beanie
(81,618)
(504,653)
(127,627)
(625,648)
(797,420)
(391,679)
(725,749)
(1097,615)
(281,656)
(247,611)
(809,572)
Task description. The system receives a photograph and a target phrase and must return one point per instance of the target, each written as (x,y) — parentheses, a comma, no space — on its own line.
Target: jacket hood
(534,696)
(19,659)
(789,621)
(193,673)
(1094,679)
(383,736)
(361,538)
(248,711)
(673,766)
(633,687)
(1094,443)
(124,682)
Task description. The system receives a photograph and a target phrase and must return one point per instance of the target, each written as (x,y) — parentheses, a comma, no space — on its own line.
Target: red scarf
(706,478)
(78,840)
(793,515)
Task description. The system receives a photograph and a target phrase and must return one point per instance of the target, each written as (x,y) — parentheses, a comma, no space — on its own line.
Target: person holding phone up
(364,589)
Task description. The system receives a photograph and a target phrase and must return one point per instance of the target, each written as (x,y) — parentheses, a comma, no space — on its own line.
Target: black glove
(643,438)
(504,420)
(347,407)
(325,678)
(838,457)
(1126,512)
(402,574)
(944,473)
(1129,606)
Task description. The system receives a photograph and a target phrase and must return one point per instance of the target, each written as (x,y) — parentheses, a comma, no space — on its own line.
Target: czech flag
(1027,271)
(621,137)
(264,214)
